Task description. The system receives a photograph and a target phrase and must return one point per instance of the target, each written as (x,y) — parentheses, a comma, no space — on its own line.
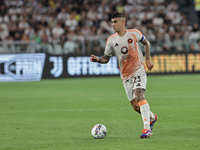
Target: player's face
(117,24)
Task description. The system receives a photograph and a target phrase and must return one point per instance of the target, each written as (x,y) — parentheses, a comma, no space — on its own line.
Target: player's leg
(144,109)
(130,92)
(136,107)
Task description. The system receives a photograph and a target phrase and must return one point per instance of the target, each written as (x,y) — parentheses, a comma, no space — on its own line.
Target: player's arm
(147,49)
(107,54)
(103,60)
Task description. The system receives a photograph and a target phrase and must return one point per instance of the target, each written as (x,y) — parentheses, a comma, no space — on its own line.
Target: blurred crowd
(83,26)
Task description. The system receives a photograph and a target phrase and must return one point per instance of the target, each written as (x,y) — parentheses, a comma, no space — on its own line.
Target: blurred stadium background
(82,26)
(56,30)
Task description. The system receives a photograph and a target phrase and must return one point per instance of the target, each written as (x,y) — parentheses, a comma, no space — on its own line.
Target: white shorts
(139,80)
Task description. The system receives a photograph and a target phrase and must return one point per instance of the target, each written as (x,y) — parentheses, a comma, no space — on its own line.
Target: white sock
(152,116)
(144,109)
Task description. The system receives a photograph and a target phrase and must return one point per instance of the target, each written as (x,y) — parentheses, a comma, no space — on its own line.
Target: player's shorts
(139,80)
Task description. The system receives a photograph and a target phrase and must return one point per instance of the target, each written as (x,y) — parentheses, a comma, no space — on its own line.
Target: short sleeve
(109,49)
(140,37)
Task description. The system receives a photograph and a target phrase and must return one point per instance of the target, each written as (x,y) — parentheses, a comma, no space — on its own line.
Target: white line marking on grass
(80,110)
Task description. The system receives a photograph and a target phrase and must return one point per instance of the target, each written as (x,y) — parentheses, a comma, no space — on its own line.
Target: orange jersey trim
(134,30)
(111,37)
(132,62)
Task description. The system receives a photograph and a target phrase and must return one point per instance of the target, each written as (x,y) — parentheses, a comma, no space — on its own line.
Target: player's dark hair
(118,15)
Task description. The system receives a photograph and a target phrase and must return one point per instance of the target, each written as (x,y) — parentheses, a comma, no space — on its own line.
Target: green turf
(59,114)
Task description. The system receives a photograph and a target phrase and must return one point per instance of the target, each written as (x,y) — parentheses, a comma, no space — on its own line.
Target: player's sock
(144,109)
(152,116)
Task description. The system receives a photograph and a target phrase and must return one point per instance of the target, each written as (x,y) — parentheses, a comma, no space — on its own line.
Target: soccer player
(124,44)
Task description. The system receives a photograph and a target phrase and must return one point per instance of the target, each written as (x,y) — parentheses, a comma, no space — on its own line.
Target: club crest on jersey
(124,50)
(130,40)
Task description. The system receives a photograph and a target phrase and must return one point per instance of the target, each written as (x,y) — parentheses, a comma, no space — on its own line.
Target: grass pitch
(59,114)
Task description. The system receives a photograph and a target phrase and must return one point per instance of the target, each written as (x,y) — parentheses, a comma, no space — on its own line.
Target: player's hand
(94,58)
(149,64)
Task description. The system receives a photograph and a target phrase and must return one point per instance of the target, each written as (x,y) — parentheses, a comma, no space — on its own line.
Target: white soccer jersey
(127,51)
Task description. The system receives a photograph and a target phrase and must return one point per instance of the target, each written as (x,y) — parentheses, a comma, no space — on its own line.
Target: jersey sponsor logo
(130,40)
(116,44)
(124,50)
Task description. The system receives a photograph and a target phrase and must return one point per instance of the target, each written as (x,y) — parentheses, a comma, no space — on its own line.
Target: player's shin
(144,109)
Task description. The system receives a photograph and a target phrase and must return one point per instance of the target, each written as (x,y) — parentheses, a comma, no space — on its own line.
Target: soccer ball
(99,131)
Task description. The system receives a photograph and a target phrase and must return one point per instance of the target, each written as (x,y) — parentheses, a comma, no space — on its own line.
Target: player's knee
(139,97)
(139,94)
